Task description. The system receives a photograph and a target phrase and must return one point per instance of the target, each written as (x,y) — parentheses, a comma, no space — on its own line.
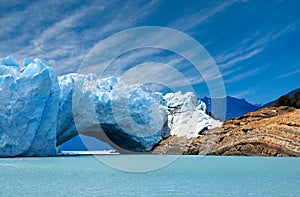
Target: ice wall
(29,99)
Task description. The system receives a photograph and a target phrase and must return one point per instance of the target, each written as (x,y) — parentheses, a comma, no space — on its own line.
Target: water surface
(187,176)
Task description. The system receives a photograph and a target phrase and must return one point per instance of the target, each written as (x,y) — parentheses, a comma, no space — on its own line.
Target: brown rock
(271,131)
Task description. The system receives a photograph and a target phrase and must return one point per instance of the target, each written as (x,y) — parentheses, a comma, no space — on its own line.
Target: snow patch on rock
(186,115)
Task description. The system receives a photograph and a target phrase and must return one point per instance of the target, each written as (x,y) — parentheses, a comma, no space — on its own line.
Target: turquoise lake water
(186,176)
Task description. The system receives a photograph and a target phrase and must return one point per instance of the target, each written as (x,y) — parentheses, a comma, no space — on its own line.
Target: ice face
(39,111)
(28,109)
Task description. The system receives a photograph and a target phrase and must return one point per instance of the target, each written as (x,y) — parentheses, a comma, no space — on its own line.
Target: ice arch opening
(85,143)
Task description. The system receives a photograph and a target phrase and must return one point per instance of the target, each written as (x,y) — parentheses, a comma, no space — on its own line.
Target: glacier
(40,110)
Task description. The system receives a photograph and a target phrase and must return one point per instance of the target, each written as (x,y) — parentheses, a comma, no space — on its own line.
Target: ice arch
(36,113)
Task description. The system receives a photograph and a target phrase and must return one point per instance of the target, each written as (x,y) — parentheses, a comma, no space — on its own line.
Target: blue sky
(255,44)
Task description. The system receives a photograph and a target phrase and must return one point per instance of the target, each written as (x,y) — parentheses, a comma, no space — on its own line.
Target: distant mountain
(290,94)
(234,107)
(78,144)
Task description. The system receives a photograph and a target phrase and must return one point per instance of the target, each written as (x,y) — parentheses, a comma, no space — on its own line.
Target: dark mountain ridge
(234,107)
(289,94)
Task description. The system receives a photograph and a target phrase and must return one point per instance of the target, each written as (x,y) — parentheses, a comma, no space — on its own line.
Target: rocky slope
(273,131)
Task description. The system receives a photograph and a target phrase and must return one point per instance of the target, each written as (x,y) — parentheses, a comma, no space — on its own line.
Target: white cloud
(296,71)
(128,16)
(191,21)
(243,75)
(243,94)
(167,39)
(66,33)
(155,72)
(251,46)
(240,58)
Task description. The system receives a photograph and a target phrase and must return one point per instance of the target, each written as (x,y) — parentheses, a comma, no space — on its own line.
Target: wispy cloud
(128,16)
(65,34)
(156,37)
(240,58)
(296,71)
(244,75)
(250,46)
(163,74)
(193,20)
(243,94)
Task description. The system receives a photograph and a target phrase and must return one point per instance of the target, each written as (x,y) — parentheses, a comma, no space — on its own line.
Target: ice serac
(29,99)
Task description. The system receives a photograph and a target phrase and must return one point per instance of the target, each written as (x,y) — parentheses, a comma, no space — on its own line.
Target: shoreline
(87,153)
